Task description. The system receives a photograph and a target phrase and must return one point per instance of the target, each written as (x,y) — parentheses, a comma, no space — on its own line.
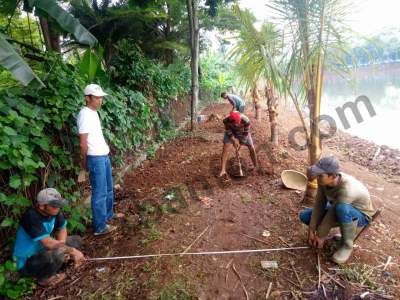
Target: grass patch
(269,198)
(147,208)
(151,151)
(361,273)
(176,290)
(116,292)
(152,234)
(245,198)
(152,281)
(174,199)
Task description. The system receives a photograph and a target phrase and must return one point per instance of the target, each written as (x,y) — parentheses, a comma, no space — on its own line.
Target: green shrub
(216,75)
(39,144)
(12,285)
(132,70)
(38,138)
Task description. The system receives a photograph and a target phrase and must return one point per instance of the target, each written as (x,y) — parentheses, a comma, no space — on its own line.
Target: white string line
(197,253)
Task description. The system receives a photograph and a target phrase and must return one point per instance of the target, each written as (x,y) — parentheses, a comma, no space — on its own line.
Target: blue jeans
(101,181)
(345,214)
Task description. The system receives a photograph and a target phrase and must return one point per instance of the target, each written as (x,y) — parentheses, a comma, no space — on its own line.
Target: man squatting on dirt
(37,253)
(237,128)
(236,102)
(341,201)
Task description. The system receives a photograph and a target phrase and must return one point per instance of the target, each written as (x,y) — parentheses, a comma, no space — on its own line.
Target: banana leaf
(90,65)
(65,20)
(12,61)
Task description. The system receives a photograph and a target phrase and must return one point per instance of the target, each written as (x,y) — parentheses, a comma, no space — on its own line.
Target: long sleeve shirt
(349,191)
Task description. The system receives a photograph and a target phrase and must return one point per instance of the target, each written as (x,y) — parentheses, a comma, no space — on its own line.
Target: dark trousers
(47,263)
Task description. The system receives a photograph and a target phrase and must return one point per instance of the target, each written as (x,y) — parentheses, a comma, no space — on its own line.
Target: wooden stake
(264,242)
(323,289)
(331,277)
(256,239)
(200,235)
(241,282)
(227,270)
(294,283)
(295,272)
(319,271)
(269,290)
(287,244)
(387,263)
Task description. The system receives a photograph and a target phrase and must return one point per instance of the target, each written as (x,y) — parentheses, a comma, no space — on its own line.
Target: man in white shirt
(95,159)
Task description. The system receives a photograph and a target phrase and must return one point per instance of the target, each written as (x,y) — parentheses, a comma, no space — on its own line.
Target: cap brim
(315,171)
(58,203)
(100,94)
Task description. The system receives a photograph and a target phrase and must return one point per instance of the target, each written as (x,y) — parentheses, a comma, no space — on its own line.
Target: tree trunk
(256,102)
(194,47)
(272,103)
(315,148)
(51,37)
(257,107)
(169,53)
(314,95)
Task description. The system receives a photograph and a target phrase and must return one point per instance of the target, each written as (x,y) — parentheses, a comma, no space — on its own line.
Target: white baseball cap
(94,90)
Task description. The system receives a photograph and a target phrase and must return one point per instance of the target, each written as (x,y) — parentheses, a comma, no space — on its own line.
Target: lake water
(381,84)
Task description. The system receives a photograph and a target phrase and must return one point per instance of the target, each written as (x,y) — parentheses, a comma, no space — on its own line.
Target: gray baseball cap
(51,197)
(326,165)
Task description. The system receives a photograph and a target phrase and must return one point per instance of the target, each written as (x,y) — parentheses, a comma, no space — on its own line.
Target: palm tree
(256,52)
(256,100)
(192,7)
(314,31)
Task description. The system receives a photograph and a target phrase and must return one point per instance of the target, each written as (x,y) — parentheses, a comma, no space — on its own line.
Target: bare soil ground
(176,197)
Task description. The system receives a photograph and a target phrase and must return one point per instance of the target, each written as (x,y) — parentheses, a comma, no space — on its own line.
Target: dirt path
(166,206)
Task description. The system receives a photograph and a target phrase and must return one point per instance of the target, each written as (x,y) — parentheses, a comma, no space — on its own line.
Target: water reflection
(381,85)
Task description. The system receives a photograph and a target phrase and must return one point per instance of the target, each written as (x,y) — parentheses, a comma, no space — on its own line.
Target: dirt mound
(379,159)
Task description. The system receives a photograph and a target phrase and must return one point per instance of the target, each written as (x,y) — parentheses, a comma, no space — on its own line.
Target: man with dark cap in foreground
(341,201)
(37,253)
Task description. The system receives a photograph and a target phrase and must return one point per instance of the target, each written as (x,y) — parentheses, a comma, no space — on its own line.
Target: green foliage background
(39,144)
(38,135)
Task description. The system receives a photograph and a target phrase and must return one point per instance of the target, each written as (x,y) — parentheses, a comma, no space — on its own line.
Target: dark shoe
(109,229)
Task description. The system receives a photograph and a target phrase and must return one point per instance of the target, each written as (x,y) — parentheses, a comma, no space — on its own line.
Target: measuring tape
(196,253)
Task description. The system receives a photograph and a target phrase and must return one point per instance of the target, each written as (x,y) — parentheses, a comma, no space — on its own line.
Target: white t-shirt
(89,122)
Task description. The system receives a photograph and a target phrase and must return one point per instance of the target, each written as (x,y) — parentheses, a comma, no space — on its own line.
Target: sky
(367,17)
